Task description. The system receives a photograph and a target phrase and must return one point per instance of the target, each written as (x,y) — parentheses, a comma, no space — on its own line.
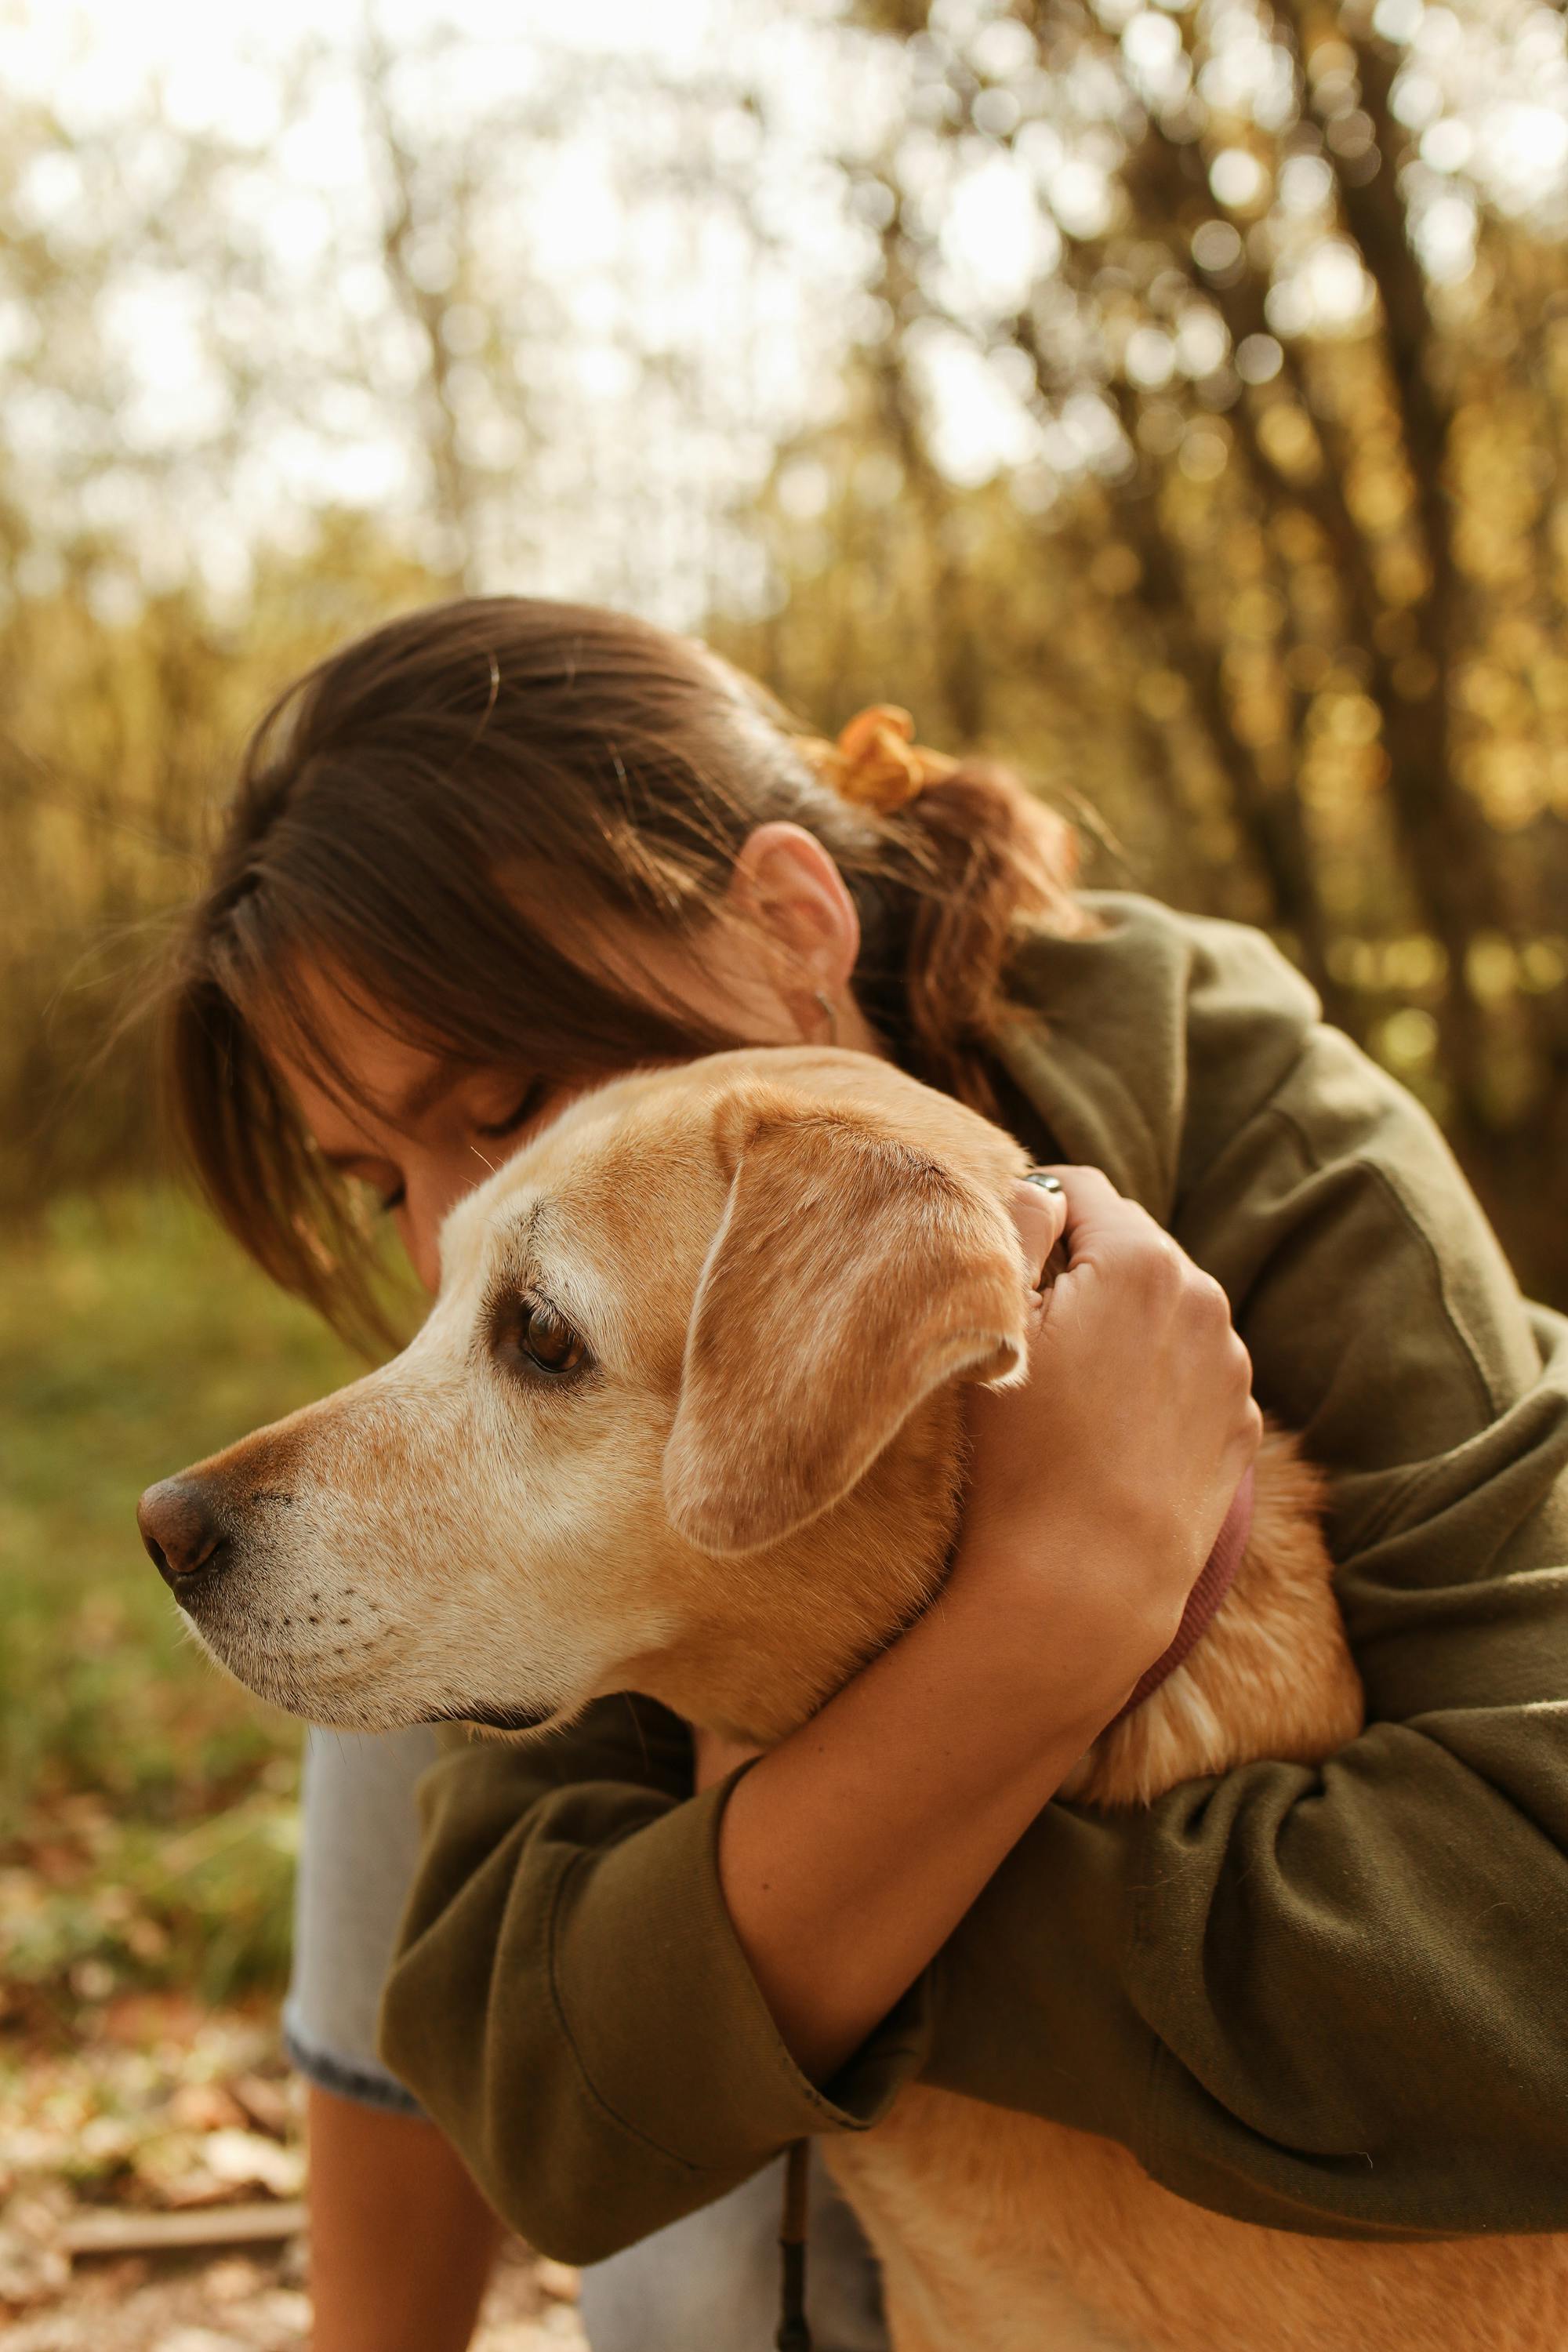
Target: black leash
(794,2331)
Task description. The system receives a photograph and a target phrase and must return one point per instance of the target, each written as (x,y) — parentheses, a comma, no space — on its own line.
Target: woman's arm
(1335,1999)
(849,1854)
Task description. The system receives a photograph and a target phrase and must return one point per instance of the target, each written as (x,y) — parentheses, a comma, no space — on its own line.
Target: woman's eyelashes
(491,1131)
(533,1103)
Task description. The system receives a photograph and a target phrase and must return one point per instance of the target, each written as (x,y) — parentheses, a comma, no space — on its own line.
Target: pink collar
(1202,1600)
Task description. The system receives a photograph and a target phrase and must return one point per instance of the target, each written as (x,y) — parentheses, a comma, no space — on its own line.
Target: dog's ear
(852,1275)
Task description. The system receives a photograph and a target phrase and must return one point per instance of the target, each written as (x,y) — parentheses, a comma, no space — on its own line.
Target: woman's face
(424,1133)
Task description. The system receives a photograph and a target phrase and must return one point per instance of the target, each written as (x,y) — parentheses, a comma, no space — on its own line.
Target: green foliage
(146,1816)
(1179,406)
(119,741)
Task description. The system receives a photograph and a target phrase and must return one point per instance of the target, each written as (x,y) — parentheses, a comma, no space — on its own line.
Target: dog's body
(776,1270)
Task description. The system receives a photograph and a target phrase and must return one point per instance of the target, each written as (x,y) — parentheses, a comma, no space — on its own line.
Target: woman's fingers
(1155,1287)
(1040,1216)
(1102,1221)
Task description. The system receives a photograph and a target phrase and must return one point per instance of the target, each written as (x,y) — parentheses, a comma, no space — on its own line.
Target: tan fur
(785,1265)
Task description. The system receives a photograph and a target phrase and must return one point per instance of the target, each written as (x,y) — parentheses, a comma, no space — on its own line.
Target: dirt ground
(242,2303)
(157,2117)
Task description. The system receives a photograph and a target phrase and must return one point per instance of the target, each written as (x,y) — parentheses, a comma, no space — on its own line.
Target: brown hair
(406,811)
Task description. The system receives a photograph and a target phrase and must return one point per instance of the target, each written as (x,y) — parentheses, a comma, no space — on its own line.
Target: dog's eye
(542,1339)
(549,1340)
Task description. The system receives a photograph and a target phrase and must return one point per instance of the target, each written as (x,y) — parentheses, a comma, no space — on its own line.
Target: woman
(499,850)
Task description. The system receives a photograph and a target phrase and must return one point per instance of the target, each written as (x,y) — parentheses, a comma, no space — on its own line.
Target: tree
(1279,321)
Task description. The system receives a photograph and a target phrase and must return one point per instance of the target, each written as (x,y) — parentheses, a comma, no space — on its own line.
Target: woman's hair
(434,816)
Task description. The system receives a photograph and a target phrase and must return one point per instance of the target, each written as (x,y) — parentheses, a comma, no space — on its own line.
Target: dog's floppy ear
(852,1275)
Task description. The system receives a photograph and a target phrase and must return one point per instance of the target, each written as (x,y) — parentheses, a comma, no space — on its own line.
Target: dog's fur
(785,1265)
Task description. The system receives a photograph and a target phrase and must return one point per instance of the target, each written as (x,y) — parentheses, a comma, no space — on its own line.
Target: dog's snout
(181,1529)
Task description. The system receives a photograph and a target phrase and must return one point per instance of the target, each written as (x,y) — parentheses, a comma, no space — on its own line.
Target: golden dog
(685,1419)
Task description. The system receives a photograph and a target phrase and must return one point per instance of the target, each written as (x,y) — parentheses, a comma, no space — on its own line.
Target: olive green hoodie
(1333,2000)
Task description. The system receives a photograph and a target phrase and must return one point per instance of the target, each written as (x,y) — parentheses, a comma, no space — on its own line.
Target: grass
(147,1802)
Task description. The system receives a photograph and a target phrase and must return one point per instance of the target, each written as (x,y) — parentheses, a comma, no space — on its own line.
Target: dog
(685,1418)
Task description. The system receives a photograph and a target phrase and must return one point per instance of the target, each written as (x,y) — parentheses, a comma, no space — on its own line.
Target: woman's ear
(852,1275)
(787,886)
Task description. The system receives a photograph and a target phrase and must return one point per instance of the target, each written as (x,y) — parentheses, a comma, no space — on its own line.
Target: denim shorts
(711,2280)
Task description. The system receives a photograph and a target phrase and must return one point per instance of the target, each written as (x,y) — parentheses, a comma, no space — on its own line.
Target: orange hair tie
(876,763)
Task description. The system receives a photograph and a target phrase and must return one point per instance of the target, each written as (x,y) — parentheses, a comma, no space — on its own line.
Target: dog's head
(682,1418)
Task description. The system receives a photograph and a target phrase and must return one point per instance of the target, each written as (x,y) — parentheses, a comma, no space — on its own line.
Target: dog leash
(1202,1600)
(794,2329)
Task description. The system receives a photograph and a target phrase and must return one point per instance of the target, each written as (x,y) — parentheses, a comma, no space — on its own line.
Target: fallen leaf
(235,2281)
(243,2158)
(265,2104)
(205,2107)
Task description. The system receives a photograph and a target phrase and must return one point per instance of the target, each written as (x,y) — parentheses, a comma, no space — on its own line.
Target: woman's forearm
(849,1854)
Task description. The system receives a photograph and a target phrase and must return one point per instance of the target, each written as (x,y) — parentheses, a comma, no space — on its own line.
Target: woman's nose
(420,1246)
(431,1194)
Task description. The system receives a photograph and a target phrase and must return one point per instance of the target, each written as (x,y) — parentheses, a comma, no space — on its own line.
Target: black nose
(180,1527)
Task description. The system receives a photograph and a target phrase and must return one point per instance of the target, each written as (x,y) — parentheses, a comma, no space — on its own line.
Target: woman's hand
(1098,1488)
(851,1851)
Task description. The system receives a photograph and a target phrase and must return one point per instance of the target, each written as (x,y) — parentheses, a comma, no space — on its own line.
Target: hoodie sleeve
(571,2004)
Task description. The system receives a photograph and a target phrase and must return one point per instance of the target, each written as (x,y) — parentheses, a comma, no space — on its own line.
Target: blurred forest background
(1169,397)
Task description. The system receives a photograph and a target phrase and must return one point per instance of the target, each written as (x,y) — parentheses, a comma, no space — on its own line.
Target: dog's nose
(180,1528)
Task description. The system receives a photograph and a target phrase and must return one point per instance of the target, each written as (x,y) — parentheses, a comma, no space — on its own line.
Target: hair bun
(876,763)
